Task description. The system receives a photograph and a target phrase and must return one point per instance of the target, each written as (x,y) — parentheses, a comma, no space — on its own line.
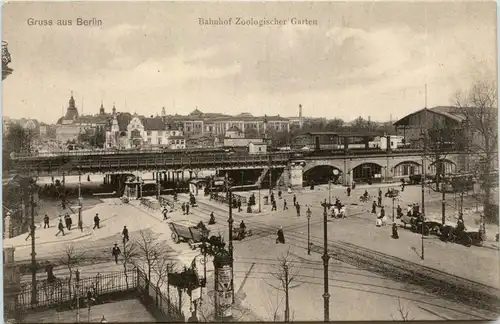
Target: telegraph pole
(34,291)
(80,222)
(287,300)
(270,176)
(443,189)
(326,257)
(230,222)
(423,194)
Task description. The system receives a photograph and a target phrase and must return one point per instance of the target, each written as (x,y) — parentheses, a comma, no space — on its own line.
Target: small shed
(257,148)
(196,185)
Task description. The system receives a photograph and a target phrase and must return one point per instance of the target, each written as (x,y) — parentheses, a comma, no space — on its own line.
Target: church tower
(101,110)
(114,109)
(301,121)
(71,112)
(163,112)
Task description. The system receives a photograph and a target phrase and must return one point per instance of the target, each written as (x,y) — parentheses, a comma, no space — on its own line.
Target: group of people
(338,210)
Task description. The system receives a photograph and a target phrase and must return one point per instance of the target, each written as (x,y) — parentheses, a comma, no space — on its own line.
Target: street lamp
(329,192)
(259,196)
(308,213)
(326,257)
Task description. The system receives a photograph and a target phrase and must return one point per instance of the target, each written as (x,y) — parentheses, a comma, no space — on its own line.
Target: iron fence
(60,291)
(153,297)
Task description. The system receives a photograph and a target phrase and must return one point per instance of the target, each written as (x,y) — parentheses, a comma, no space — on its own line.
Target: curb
(52,242)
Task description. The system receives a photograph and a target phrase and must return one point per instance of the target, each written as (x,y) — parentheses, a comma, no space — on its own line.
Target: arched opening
(367,172)
(435,167)
(407,169)
(321,174)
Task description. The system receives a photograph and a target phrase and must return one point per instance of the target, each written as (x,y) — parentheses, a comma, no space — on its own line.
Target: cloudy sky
(361,59)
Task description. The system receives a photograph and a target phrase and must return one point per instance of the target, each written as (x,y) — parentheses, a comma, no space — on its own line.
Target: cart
(237,235)
(187,231)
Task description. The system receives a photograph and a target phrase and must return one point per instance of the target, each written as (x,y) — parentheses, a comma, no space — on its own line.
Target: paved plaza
(256,257)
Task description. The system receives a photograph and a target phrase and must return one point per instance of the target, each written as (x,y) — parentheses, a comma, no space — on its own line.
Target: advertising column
(223,286)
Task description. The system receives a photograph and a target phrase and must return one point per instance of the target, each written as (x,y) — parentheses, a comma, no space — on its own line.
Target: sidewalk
(47,236)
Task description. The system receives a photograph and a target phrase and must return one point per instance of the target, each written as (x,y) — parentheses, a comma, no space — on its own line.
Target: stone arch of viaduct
(388,164)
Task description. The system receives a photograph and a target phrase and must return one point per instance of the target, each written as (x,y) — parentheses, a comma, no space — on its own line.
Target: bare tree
(151,251)
(162,268)
(129,256)
(274,307)
(479,108)
(286,274)
(206,311)
(71,259)
(404,314)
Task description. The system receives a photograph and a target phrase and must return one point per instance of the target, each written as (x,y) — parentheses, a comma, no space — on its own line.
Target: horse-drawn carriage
(467,237)
(187,231)
(239,235)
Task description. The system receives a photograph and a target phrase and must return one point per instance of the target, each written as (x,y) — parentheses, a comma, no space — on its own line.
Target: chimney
(300,116)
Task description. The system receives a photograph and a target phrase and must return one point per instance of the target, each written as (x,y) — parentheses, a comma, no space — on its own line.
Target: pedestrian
(284,205)
(66,221)
(297,206)
(399,212)
(29,234)
(279,194)
(183,208)
(187,209)
(353,185)
(60,226)
(165,213)
(212,219)
(348,191)
(116,252)
(125,234)
(70,223)
(382,212)
(272,196)
(380,192)
(409,210)
(281,236)
(239,205)
(403,184)
(294,200)
(96,221)
(273,205)
(395,234)
(46,221)
(379,199)
(374,208)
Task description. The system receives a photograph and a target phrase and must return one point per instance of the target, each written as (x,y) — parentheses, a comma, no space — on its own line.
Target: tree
(285,274)
(479,108)
(17,140)
(95,137)
(403,313)
(71,259)
(129,256)
(151,252)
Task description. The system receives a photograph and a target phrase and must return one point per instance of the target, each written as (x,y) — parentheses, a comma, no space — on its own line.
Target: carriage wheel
(175,237)
(468,241)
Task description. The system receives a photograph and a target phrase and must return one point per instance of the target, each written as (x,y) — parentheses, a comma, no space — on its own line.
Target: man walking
(46,221)
(96,221)
(374,208)
(294,200)
(116,252)
(239,205)
(284,205)
(125,234)
(165,213)
(273,205)
(297,206)
(187,209)
(348,191)
(60,226)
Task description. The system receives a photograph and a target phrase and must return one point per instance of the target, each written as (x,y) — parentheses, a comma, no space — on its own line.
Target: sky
(369,59)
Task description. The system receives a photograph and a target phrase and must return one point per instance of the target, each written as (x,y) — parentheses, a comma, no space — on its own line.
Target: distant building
(297,120)
(257,148)
(71,125)
(30,125)
(215,124)
(129,131)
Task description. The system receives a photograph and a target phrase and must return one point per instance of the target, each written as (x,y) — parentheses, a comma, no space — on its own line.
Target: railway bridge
(294,168)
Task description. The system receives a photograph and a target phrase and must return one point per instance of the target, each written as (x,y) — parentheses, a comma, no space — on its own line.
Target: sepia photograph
(232,161)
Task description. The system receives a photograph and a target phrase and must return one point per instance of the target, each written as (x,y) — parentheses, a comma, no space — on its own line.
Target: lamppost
(34,291)
(329,192)
(77,277)
(393,198)
(259,197)
(230,222)
(80,222)
(423,190)
(326,257)
(308,213)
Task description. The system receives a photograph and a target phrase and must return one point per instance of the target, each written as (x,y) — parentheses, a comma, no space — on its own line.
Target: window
(148,133)
(188,129)
(160,133)
(260,149)
(159,140)
(149,140)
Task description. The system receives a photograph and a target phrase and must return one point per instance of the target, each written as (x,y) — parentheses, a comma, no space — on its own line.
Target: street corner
(47,237)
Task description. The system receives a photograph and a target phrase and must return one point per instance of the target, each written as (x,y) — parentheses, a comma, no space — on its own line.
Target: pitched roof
(151,124)
(123,120)
(450,112)
(233,129)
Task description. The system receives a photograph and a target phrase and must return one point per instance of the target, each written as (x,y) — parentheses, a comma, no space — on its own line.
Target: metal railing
(51,294)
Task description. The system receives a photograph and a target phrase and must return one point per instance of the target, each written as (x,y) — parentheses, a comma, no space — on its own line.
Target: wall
(239,142)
